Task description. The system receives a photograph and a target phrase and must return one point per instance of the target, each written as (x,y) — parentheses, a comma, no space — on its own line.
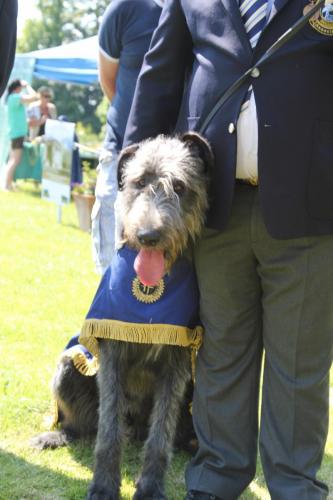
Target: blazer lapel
(276,7)
(232,9)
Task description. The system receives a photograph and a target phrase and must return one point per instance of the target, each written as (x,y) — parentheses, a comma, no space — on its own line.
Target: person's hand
(43,119)
(24,83)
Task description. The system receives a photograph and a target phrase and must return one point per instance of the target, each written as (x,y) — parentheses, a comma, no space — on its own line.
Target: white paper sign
(57,161)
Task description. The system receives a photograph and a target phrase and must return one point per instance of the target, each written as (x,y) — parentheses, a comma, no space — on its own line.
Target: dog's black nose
(149,238)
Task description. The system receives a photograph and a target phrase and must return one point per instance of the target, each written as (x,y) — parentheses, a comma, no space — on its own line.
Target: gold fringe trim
(85,366)
(140,333)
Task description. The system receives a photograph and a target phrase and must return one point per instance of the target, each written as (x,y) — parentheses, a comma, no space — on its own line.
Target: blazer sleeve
(8,27)
(160,86)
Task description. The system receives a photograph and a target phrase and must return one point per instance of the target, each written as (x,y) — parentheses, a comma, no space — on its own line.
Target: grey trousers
(260,294)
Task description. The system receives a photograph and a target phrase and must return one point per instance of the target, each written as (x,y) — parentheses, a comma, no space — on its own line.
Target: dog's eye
(179,187)
(141,183)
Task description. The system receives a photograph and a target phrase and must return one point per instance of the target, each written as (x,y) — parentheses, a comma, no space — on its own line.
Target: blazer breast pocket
(320,179)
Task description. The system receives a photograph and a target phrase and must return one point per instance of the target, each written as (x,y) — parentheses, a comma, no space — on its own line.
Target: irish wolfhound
(163,200)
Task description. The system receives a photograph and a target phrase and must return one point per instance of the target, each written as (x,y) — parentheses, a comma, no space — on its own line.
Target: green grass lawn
(47,282)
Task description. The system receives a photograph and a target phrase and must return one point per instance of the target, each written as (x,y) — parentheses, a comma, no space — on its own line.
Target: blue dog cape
(125,310)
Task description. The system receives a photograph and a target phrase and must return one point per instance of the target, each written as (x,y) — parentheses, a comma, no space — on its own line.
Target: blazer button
(255,72)
(231,128)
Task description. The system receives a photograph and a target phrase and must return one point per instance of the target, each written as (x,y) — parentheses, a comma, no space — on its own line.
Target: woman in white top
(40,111)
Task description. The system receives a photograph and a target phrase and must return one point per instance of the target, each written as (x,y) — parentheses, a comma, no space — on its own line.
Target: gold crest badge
(147,294)
(322,21)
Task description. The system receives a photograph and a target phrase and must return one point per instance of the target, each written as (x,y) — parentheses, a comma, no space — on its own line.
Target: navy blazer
(196,53)
(8,20)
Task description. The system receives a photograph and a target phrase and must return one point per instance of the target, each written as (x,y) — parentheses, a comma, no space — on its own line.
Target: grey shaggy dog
(164,196)
(143,389)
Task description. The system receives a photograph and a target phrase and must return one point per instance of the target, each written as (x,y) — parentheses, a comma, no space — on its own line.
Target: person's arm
(108,70)
(110,39)
(53,111)
(160,86)
(30,96)
(33,122)
(33,116)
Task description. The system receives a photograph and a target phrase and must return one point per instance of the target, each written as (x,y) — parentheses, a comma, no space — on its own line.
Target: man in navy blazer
(8,20)
(264,262)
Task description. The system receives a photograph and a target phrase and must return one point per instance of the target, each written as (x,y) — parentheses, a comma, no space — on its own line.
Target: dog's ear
(124,155)
(200,147)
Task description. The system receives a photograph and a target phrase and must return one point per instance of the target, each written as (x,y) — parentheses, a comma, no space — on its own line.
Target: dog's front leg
(170,388)
(111,378)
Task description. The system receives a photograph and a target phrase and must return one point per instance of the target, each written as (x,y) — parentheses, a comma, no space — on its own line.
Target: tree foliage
(59,22)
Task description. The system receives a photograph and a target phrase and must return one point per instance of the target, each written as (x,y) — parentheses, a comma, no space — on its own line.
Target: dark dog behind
(77,401)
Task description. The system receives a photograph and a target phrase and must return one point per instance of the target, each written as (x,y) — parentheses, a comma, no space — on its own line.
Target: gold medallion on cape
(322,21)
(147,294)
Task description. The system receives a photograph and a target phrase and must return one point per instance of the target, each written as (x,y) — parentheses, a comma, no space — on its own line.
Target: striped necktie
(253,13)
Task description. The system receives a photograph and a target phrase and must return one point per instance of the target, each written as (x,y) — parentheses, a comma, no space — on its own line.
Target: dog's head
(195,143)
(163,184)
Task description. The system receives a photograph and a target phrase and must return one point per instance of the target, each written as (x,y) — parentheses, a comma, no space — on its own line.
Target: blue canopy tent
(75,62)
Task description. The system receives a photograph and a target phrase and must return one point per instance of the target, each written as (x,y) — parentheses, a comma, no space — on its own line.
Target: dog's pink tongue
(149,266)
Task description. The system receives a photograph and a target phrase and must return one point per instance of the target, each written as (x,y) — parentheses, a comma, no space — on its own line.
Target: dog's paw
(52,439)
(99,492)
(146,490)
(142,496)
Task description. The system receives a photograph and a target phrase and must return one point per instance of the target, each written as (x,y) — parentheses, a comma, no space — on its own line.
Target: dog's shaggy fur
(76,400)
(163,201)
